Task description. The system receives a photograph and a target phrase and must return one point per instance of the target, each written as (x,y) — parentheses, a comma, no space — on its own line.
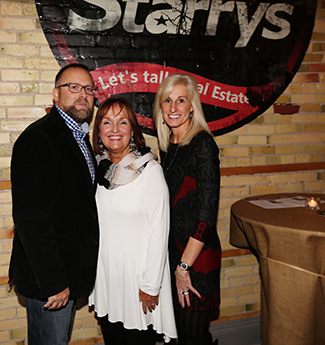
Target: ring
(152,304)
(185,293)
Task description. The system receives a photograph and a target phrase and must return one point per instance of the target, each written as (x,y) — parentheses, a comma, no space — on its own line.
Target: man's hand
(58,301)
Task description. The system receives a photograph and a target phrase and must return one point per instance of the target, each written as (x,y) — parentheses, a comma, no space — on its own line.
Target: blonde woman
(189,157)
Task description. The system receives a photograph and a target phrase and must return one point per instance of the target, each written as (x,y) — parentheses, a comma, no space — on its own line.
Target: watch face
(183,266)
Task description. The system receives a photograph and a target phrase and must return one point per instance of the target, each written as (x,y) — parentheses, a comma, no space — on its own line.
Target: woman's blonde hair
(197,120)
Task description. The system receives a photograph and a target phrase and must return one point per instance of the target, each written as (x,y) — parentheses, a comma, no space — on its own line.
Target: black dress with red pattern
(193,177)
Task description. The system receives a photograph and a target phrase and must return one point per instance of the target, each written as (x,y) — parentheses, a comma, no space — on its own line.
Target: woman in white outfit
(132,293)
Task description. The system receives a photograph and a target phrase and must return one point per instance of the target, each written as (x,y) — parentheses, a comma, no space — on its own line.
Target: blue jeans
(50,327)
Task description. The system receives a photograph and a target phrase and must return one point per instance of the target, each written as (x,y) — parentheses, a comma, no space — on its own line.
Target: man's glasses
(77,88)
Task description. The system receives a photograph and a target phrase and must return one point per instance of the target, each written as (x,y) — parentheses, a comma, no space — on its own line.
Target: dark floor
(238,332)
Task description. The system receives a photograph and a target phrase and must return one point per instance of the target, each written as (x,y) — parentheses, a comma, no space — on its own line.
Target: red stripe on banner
(59,39)
(64,49)
(144,77)
(146,122)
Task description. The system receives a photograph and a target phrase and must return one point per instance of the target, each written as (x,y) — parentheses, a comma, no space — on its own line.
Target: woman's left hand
(148,302)
(184,285)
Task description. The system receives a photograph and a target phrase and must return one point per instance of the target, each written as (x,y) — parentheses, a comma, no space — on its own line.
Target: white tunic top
(134,228)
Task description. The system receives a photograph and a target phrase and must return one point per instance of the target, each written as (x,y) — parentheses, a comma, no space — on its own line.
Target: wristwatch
(184,266)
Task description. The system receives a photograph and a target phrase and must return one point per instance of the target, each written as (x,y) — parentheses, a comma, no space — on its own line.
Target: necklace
(172,160)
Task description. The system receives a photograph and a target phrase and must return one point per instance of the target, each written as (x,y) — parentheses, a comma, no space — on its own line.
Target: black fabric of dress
(193,177)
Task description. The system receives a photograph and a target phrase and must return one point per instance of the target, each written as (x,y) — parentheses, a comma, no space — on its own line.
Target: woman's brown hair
(123,104)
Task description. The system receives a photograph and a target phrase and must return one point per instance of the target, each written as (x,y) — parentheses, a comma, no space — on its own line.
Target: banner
(243,54)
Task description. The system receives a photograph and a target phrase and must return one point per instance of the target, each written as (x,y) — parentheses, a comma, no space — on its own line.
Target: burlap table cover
(290,246)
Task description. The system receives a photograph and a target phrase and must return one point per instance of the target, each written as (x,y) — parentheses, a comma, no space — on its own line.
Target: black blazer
(56,224)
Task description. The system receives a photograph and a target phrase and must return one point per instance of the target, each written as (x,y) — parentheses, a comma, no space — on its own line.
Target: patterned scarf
(111,175)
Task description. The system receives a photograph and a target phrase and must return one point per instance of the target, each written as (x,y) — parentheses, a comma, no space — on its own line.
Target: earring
(132,144)
(100,144)
(191,114)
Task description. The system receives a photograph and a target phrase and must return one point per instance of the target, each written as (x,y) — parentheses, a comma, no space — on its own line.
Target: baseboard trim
(238,332)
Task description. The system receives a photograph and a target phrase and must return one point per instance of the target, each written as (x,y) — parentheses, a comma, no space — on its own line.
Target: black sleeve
(207,172)
(35,180)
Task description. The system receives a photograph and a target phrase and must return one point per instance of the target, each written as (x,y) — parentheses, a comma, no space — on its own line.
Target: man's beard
(81,115)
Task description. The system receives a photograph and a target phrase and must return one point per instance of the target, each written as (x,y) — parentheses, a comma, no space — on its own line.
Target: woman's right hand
(184,286)
(148,302)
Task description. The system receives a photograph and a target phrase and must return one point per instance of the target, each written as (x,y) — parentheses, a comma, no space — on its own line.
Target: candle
(312,203)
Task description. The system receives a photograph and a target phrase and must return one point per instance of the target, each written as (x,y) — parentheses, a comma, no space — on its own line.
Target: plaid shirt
(79,133)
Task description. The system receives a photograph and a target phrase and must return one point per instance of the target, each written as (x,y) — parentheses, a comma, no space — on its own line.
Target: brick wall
(282,150)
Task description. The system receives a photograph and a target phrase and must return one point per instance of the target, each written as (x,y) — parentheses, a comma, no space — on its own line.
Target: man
(55,246)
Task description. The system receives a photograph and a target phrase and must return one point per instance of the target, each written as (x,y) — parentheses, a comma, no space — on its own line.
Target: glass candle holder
(312,203)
